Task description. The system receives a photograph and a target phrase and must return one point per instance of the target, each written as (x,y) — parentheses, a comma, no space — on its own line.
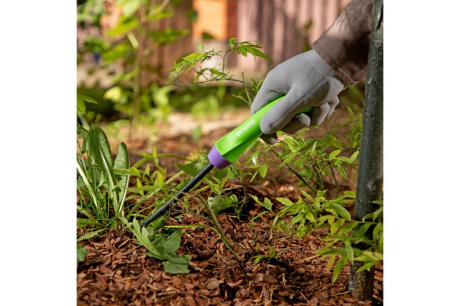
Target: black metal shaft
(194,181)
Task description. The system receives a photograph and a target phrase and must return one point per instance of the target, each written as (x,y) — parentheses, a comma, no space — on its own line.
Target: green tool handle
(232,145)
(225,151)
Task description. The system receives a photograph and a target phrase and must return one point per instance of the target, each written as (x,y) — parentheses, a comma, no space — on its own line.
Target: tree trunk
(370,172)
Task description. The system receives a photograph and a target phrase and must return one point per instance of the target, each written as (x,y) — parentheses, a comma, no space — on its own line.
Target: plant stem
(162,6)
(249,101)
(219,231)
(174,177)
(335,180)
(240,180)
(295,172)
(319,182)
(84,122)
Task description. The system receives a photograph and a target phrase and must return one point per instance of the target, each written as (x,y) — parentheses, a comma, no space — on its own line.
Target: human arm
(315,78)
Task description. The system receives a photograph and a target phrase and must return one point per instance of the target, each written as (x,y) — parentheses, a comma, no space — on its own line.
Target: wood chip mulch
(117,271)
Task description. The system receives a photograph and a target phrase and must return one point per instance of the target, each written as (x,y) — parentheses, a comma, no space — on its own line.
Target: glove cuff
(326,71)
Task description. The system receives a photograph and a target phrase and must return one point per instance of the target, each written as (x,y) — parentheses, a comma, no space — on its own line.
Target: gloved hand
(305,80)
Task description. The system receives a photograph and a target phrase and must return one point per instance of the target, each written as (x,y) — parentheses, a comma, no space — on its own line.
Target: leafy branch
(217,72)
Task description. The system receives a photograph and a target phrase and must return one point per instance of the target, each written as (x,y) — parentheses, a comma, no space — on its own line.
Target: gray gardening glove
(305,80)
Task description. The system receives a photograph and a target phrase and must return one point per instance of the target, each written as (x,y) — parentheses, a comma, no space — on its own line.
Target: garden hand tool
(224,152)
(306,80)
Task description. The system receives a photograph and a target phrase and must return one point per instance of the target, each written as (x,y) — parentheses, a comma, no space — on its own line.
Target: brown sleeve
(344,46)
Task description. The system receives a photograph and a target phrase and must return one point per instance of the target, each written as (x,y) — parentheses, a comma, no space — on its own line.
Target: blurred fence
(281,26)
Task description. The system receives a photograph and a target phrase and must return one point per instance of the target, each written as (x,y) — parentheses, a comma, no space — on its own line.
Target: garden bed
(117,270)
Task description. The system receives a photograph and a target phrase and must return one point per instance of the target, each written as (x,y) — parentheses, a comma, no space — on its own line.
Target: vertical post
(370,171)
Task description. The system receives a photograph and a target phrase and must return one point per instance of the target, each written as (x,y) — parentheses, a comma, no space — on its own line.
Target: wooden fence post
(370,171)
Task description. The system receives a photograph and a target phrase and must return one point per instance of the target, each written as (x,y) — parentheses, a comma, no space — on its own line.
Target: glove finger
(270,139)
(298,123)
(319,113)
(281,113)
(332,105)
(263,98)
(269,91)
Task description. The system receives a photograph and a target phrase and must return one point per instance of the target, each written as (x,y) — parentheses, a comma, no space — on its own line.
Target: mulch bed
(117,271)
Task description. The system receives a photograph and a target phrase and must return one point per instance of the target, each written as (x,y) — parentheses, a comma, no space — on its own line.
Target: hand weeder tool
(224,152)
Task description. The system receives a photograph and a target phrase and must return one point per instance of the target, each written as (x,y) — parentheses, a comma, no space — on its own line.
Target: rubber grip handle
(232,145)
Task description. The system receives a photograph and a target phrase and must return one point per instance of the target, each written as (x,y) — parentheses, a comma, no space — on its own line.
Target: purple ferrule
(217,160)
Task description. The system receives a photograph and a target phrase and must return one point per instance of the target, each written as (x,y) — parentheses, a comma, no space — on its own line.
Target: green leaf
(285,201)
(354,156)
(161,15)
(123,27)
(310,216)
(172,242)
(374,215)
(120,51)
(255,52)
(232,42)
(299,218)
(81,253)
(367,266)
(143,235)
(219,204)
(82,132)
(242,50)
(166,247)
(348,227)
(255,173)
(362,230)
(101,155)
(349,250)
(167,36)
(177,264)
(334,154)
(91,234)
(267,204)
(332,140)
(86,222)
(192,57)
(339,267)
(330,262)
(194,167)
(122,163)
(129,6)
(325,218)
(216,72)
(86,179)
(81,99)
(340,210)
(307,196)
(337,225)
(378,230)
(263,170)
(369,255)
(350,194)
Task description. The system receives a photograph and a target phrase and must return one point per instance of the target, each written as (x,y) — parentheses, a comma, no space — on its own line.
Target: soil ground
(117,271)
